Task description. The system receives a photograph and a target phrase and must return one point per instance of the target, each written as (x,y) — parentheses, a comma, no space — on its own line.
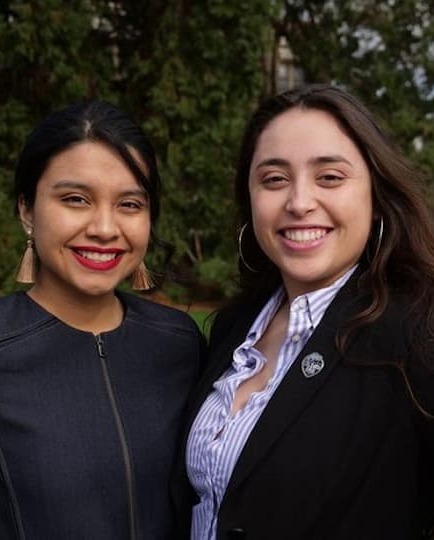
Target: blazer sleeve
(419,373)
(394,341)
(421,386)
(420,380)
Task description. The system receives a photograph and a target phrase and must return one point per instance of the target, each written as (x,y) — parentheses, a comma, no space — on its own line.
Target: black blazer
(342,455)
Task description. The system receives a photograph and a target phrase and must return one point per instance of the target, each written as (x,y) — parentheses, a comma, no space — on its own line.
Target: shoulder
(141,311)
(236,317)
(18,313)
(398,340)
(174,331)
(384,340)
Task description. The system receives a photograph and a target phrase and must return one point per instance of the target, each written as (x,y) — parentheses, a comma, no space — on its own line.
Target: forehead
(301,132)
(92,162)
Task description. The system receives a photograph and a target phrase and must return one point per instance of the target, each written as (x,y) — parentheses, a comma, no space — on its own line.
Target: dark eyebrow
(72,184)
(336,158)
(280,162)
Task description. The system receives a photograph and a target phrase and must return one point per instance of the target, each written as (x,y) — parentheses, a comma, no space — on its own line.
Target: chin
(95,291)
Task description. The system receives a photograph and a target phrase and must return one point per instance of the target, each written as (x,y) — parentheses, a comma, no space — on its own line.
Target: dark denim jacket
(89,424)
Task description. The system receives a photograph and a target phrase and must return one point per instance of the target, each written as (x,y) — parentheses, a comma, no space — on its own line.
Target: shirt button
(295,338)
(302,303)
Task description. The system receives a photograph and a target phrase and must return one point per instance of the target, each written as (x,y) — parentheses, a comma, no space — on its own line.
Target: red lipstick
(94,263)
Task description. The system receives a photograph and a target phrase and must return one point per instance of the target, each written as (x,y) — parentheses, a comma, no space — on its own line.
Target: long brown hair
(404,263)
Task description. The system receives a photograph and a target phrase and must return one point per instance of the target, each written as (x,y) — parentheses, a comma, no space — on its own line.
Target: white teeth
(96,256)
(304,235)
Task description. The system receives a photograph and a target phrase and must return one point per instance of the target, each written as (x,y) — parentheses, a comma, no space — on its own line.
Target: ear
(26,215)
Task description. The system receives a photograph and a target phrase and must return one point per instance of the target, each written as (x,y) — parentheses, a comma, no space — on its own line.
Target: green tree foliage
(200,105)
(195,79)
(383,51)
(50,55)
(191,71)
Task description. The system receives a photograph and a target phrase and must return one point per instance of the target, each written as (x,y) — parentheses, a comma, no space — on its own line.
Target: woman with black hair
(93,381)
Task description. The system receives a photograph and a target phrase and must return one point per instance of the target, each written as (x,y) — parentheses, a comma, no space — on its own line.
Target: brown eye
(330,177)
(74,200)
(133,204)
(274,180)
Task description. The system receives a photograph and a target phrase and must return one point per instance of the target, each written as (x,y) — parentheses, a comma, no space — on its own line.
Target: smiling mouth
(96,256)
(304,235)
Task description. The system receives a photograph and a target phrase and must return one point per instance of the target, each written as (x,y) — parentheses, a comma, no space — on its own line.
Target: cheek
(258,219)
(46,230)
(262,228)
(139,234)
(263,206)
(265,211)
(358,215)
(355,204)
(53,233)
(48,215)
(364,209)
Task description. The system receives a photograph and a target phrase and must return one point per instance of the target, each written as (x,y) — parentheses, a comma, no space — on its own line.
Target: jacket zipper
(121,433)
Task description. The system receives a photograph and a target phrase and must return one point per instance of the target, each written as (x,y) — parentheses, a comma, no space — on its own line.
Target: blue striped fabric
(217,437)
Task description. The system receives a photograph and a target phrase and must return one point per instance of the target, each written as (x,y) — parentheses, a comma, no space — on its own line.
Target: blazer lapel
(220,360)
(296,390)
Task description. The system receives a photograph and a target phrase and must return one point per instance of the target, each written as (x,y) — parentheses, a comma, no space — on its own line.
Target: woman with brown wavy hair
(314,419)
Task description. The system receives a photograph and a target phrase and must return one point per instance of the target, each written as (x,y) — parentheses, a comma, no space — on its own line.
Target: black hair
(92,121)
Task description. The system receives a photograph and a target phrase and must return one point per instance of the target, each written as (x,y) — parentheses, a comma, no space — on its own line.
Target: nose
(301,198)
(103,224)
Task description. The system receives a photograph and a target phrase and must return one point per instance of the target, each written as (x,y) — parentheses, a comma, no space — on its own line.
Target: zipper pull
(100,346)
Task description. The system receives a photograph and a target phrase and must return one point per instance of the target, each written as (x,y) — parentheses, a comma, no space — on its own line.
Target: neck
(88,313)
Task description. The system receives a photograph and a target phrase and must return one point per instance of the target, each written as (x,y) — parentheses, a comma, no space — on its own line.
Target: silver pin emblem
(312,364)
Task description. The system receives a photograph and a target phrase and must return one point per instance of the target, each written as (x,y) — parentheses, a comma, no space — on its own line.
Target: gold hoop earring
(380,238)
(240,250)
(141,279)
(26,272)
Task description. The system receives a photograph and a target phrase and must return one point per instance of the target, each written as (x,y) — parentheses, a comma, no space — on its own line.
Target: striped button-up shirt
(217,436)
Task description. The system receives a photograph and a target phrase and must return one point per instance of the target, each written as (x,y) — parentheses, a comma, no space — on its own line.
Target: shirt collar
(315,302)
(319,300)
